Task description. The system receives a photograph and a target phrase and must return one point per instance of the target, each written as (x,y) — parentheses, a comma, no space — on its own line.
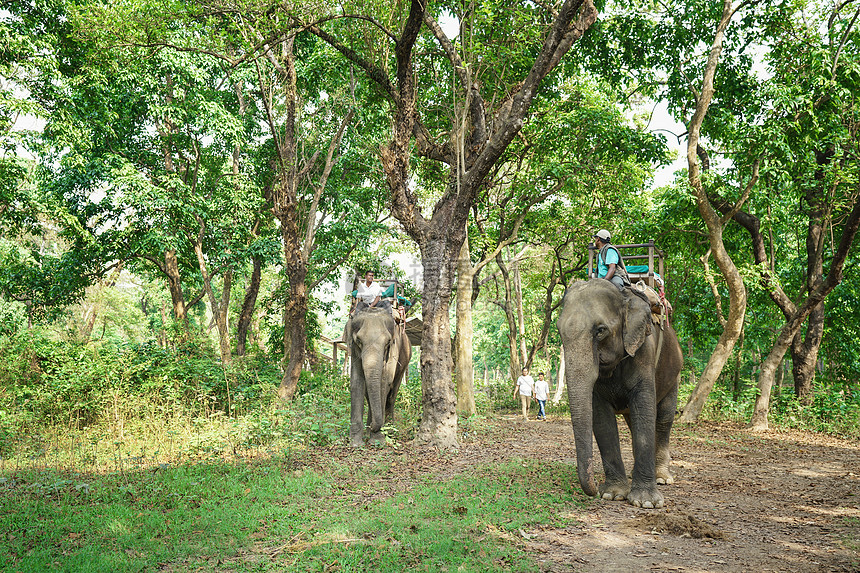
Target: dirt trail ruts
(741,501)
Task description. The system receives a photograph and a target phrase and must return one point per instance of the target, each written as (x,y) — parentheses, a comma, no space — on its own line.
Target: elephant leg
(376,438)
(615,486)
(356,410)
(665,416)
(392,398)
(643,490)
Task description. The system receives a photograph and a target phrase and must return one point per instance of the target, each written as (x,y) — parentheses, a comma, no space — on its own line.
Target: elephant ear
(637,322)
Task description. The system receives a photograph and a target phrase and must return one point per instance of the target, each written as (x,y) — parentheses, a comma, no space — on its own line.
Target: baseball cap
(603,234)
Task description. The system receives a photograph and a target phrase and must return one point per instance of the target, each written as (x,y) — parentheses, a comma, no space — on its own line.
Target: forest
(189,192)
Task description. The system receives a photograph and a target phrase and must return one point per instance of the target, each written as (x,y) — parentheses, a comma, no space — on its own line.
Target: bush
(76,384)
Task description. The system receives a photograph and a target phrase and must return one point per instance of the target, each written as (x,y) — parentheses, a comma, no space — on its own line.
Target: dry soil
(741,501)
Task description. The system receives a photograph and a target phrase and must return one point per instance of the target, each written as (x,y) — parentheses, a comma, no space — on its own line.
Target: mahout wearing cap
(603,235)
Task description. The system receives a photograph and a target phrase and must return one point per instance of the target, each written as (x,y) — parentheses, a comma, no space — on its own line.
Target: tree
(814,113)
(278,78)
(491,129)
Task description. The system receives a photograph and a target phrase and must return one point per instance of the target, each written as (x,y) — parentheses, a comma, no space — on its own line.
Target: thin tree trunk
(521,319)
(94,309)
(507,306)
(248,306)
(737,290)
(174,285)
(790,330)
(465,370)
(219,316)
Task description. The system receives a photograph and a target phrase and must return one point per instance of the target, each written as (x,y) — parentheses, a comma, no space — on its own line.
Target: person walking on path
(525,386)
(541,395)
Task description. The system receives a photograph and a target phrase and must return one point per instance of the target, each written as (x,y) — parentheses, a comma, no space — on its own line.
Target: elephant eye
(601,332)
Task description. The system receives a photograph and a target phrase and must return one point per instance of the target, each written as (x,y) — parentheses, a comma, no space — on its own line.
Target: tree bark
(248,306)
(219,315)
(804,352)
(507,305)
(465,370)
(174,285)
(521,318)
(439,418)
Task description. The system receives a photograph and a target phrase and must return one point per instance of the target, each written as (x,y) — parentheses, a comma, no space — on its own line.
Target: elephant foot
(646,498)
(356,440)
(664,477)
(614,492)
(377,439)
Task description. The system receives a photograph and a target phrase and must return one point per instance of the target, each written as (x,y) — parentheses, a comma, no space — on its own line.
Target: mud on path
(741,501)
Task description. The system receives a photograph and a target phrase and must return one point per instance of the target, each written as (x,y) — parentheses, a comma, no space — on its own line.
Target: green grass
(271,514)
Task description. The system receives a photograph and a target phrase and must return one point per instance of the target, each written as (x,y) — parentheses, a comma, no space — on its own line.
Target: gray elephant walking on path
(380,353)
(617,361)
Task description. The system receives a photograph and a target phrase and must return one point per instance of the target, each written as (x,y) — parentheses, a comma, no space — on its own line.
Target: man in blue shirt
(610,266)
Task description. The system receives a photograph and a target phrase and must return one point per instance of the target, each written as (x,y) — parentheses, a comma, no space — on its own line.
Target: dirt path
(741,501)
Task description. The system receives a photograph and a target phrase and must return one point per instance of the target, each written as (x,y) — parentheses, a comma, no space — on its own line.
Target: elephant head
(599,326)
(374,348)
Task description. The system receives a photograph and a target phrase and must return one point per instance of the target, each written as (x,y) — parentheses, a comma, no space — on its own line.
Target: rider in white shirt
(368,291)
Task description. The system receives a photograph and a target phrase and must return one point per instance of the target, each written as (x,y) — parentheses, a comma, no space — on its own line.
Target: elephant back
(375,313)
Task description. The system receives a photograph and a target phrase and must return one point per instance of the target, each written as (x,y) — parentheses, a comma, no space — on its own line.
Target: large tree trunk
(465,369)
(295,312)
(248,306)
(737,290)
(295,336)
(804,354)
(439,402)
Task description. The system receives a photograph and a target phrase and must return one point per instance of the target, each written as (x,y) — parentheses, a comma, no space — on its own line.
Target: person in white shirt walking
(525,385)
(541,395)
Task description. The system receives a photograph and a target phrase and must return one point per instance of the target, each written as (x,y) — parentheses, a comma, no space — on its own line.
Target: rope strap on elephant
(659,306)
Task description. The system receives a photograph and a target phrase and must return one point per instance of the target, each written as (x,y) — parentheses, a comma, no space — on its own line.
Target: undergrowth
(102,407)
(833,410)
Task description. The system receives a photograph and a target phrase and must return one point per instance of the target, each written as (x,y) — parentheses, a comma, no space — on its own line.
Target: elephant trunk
(581,372)
(373,377)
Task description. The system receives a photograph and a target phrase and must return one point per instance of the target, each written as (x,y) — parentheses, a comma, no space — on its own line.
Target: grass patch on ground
(277,513)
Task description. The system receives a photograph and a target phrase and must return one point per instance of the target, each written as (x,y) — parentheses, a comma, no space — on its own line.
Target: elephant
(611,348)
(380,353)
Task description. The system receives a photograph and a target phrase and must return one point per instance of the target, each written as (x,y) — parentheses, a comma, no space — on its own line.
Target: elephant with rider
(618,361)
(380,351)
